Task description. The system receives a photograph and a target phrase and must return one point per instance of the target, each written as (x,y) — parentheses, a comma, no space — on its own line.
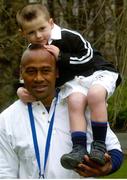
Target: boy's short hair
(30,12)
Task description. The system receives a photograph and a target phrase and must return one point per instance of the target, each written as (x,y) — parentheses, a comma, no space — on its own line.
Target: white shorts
(82,84)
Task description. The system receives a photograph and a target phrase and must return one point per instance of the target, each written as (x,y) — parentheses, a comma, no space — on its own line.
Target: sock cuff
(94,123)
(79,138)
(78,133)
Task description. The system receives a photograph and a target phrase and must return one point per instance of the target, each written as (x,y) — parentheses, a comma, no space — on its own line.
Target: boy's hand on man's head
(53,49)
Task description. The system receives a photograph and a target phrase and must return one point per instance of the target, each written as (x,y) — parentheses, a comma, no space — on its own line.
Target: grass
(121,173)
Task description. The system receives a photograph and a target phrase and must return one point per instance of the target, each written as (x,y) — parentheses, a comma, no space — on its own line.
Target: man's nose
(39,77)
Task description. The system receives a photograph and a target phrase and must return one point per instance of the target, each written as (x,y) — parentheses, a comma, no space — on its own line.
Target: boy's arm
(75,56)
(74,50)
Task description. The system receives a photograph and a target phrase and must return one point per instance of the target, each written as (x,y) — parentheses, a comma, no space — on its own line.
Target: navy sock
(99,130)
(79,137)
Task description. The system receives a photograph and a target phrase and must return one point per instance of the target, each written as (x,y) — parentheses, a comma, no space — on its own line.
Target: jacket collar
(55,33)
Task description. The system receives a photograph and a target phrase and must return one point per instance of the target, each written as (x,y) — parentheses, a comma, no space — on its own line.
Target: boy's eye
(42,28)
(31,33)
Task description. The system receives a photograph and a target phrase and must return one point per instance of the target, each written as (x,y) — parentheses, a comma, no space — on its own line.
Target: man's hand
(90,168)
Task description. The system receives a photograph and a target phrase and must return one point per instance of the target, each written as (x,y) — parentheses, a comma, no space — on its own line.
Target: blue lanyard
(34,135)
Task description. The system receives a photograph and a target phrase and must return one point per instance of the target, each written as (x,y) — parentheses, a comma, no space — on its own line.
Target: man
(34,136)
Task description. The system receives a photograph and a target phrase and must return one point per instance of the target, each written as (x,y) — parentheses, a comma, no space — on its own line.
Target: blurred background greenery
(121,173)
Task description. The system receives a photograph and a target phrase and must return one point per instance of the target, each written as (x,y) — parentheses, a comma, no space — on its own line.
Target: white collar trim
(55,33)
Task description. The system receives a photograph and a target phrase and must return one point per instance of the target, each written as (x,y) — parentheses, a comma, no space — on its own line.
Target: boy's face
(38,31)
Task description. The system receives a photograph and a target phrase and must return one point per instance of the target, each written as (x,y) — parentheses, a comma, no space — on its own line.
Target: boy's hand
(53,49)
(24,95)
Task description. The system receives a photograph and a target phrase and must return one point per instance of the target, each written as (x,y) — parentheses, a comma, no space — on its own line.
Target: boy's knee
(95,95)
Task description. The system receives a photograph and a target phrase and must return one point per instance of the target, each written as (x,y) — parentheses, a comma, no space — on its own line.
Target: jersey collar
(55,33)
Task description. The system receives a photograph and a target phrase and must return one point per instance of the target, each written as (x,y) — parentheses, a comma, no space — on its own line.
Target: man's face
(38,69)
(38,31)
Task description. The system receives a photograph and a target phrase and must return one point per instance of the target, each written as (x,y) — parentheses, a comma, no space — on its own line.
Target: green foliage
(121,120)
(117,107)
(11,47)
(121,173)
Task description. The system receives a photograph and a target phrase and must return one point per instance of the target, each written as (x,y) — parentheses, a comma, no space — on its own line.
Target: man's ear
(21,32)
(21,78)
(57,72)
(20,71)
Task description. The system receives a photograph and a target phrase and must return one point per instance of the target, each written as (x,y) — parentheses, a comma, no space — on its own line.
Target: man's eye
(46,71)
(30,71)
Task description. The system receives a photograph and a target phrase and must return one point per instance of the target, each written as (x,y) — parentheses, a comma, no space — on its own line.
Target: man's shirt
(17,154)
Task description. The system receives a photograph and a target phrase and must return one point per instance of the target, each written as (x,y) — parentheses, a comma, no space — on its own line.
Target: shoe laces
(99,145)
(77,148)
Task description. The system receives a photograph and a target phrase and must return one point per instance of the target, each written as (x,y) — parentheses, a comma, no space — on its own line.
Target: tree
(10,52)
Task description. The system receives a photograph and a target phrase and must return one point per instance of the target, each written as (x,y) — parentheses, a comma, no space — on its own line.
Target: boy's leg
(103,85)
(76,106)
(97,103)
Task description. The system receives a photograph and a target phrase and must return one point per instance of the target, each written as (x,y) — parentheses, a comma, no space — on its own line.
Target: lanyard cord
(34,135)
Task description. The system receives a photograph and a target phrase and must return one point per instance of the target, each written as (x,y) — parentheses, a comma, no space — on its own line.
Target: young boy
(84,76)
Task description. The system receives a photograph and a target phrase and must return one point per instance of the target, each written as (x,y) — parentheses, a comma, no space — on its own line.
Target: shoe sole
(69,163)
